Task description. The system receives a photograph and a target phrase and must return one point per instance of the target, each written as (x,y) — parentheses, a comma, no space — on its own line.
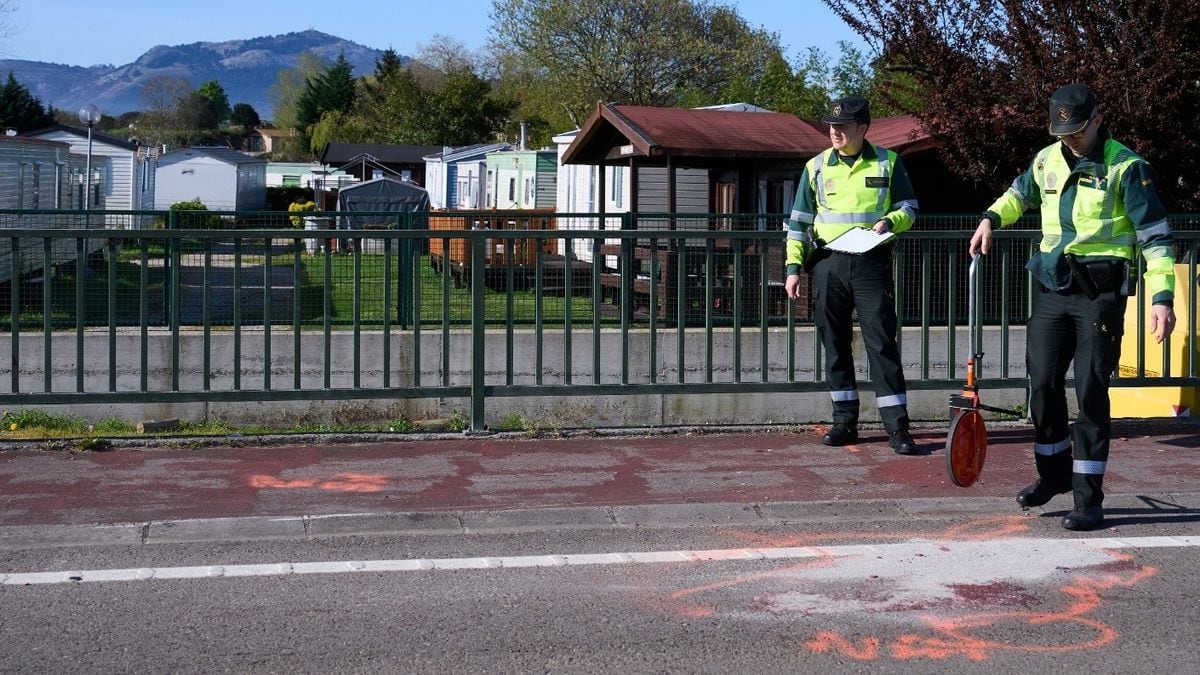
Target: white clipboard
(859,240)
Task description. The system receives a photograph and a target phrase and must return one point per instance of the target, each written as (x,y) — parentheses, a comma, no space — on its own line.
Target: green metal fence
(114,306)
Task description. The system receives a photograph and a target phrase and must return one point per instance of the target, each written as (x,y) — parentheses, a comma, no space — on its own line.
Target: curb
(1175,425)
(457,523)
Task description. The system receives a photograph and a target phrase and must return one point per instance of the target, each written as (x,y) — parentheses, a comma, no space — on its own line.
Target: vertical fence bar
(652,346)
(14,307)
(951,312)
(628,292)
(327,318)
(412,253)
(297,274)
(926,310)
(207,315)
(144,313)
(764,246)
(47,316)
(568,292)
(478,335)
(468,249)
(357,319)
(237,313)
(598,261)
(267,314)
(112,311)
(538,290)
(80,272)
(710,271)
(174,294)
(385,307)
(736,249)
(1005,305)
(681,307)
(510,248)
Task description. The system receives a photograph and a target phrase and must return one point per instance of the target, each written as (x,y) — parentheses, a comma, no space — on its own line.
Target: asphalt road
(673,553)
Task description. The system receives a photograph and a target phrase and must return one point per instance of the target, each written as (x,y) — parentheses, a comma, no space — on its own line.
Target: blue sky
(94,32)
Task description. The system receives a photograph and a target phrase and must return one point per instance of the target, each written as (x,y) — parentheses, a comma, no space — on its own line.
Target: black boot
(1089,495)
(1084,519)
(1041,491)
(902,442)
(840,434)
(1054,478)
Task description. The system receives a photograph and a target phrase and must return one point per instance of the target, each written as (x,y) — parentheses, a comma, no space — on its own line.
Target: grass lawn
(439,297)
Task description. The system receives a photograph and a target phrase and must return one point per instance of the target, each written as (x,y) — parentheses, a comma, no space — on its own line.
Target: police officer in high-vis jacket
(1099,206)
(853,184)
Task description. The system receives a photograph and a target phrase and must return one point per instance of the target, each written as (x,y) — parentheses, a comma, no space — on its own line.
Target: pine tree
(20,109)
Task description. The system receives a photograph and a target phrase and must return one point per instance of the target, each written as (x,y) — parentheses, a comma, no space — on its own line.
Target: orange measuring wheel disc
(966,448)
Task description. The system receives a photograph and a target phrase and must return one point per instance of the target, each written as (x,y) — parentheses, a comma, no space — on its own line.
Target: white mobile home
(579,186)
(522,179)
(223,179)
(455,177)
(41,176)
(128,168)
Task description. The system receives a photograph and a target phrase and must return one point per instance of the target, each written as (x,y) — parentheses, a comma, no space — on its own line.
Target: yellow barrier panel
(1157,401)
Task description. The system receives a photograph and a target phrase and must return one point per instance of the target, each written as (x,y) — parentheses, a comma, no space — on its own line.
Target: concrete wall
(546,412)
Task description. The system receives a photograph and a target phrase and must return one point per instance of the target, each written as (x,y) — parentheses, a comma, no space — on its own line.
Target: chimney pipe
(523,144)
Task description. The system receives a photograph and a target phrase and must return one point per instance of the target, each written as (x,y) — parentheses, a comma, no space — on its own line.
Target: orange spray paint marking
(958,636)
(827,641)
(346,482)
(1069,629)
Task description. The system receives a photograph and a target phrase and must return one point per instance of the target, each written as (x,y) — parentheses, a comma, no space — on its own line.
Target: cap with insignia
(1071,108)
(852,109)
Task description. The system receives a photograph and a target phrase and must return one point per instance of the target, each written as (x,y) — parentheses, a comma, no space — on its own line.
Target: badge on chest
(877,181)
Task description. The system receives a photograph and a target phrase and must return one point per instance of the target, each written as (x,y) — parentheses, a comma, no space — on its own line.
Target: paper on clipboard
(859,240)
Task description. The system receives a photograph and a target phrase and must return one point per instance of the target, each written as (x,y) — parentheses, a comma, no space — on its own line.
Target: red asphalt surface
(500,473)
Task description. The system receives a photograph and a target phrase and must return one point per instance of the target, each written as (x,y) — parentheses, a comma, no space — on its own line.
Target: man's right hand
(981,241)
(792,286)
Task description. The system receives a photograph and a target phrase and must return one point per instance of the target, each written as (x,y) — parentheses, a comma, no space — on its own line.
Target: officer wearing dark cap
(1099,207)
(853,185)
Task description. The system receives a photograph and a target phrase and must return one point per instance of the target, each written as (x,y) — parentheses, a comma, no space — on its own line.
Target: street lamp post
(89,115)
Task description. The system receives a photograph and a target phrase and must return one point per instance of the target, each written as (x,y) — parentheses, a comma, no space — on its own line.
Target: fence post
(168,264)
(407,264)
(628,274)
(478,334)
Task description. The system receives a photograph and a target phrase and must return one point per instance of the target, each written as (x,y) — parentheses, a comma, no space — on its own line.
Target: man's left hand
(883,226)
(1162,321)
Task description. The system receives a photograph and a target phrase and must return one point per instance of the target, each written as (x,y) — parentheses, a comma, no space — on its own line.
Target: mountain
(245,68)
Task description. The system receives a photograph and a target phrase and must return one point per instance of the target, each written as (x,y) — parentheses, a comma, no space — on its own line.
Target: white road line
(876,551)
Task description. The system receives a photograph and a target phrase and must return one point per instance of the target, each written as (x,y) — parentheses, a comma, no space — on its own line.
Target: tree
(20,109)
(984,71)
(245,116)
(197,111)
(422,105)
(161,94)
(641,52)
(331,91)
(215,93)
(283,95)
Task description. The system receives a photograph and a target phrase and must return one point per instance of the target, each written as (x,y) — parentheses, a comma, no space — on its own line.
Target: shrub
(186,218)
(298,207)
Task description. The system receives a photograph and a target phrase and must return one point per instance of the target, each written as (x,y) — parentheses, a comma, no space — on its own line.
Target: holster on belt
(1083,277)
(1101,276)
